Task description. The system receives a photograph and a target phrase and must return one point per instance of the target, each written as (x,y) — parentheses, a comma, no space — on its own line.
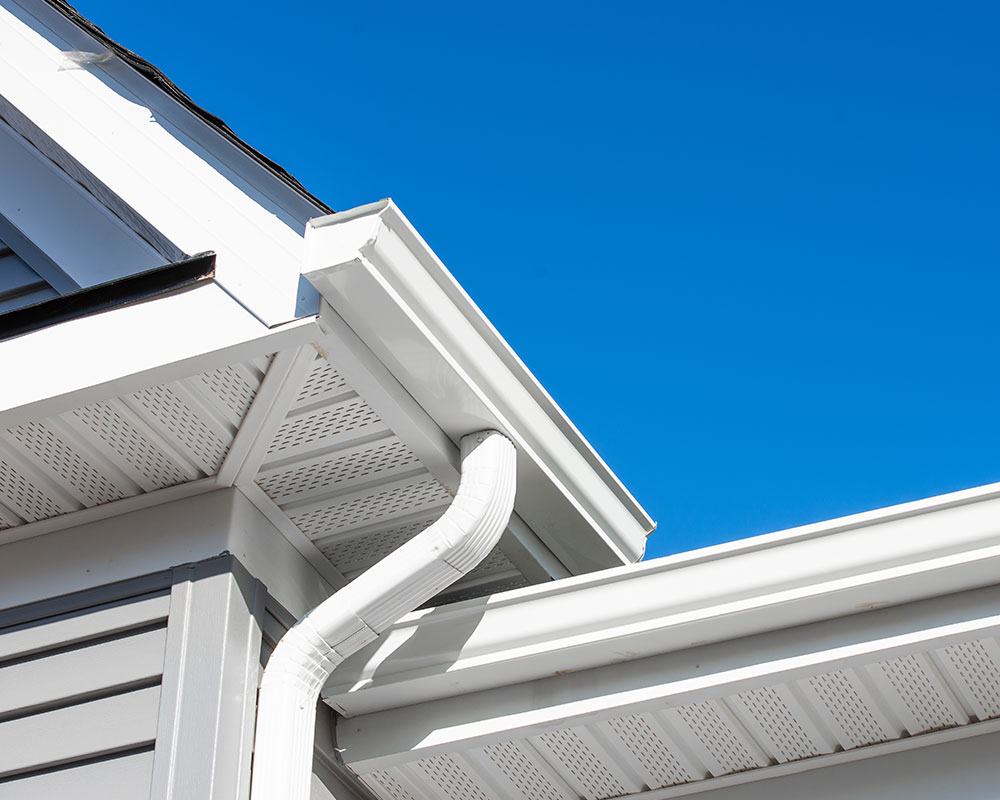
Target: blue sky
(751,248)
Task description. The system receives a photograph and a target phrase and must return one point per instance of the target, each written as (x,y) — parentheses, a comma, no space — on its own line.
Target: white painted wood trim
(207,708)
(74,240)
(108,510)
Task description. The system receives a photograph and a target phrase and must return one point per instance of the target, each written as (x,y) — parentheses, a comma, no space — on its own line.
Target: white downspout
(354,616)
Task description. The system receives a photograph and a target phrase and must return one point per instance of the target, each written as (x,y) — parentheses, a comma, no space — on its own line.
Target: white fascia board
(196,188)
(380,276)
(705,672)
(115,352)
(843,567)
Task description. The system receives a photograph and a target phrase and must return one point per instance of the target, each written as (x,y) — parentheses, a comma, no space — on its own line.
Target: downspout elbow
(311,649)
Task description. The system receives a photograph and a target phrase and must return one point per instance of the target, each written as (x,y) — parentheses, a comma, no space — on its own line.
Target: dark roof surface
(154,75)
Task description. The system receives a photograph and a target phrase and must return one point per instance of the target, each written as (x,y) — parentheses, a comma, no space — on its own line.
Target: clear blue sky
(751,248)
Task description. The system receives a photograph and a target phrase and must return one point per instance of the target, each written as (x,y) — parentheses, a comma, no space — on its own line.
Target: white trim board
(146,540)
(668,680)
(118,351)
(82,177)
(198,190)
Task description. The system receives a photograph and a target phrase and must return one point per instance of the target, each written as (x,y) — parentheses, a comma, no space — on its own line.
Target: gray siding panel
(80,732)
(28,639)
(82,671)
(120,778)
(80,692)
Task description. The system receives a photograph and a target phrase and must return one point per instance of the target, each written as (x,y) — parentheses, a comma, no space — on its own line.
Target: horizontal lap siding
(121,777)
(79,697)
(79,732)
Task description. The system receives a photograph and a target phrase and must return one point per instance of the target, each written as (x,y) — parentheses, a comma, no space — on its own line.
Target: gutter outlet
(353,617)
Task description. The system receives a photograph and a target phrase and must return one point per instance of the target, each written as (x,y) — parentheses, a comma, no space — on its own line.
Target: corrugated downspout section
(309,652)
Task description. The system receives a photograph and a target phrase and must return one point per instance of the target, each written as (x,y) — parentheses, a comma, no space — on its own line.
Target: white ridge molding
(380,276)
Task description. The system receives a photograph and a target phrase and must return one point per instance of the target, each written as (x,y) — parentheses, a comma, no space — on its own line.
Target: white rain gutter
(353,617)
(381,278)
(888,557)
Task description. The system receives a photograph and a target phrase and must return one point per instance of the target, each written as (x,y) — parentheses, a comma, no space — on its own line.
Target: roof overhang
(833,642)
(691,721)
(376,273)
(176,183)
(93,357)
(431,369)
(837,568)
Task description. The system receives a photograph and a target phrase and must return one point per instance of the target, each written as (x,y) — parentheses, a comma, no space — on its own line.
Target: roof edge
(159,79)
(377,273)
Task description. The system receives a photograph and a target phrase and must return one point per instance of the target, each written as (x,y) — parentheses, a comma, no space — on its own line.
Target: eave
(379,276)
(141,155)
(175,183)
(694,720)
(174,167)
(839,641)
(305,418)
(114,352)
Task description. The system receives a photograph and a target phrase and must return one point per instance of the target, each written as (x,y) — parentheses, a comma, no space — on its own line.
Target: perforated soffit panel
(154,438)
(333,467)
(352,486)
(664,750)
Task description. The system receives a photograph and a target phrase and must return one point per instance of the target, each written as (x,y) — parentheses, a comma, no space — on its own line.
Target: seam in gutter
(353,617)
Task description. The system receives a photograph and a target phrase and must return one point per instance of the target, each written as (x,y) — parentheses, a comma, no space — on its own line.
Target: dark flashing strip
(153,74)
(105,296)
